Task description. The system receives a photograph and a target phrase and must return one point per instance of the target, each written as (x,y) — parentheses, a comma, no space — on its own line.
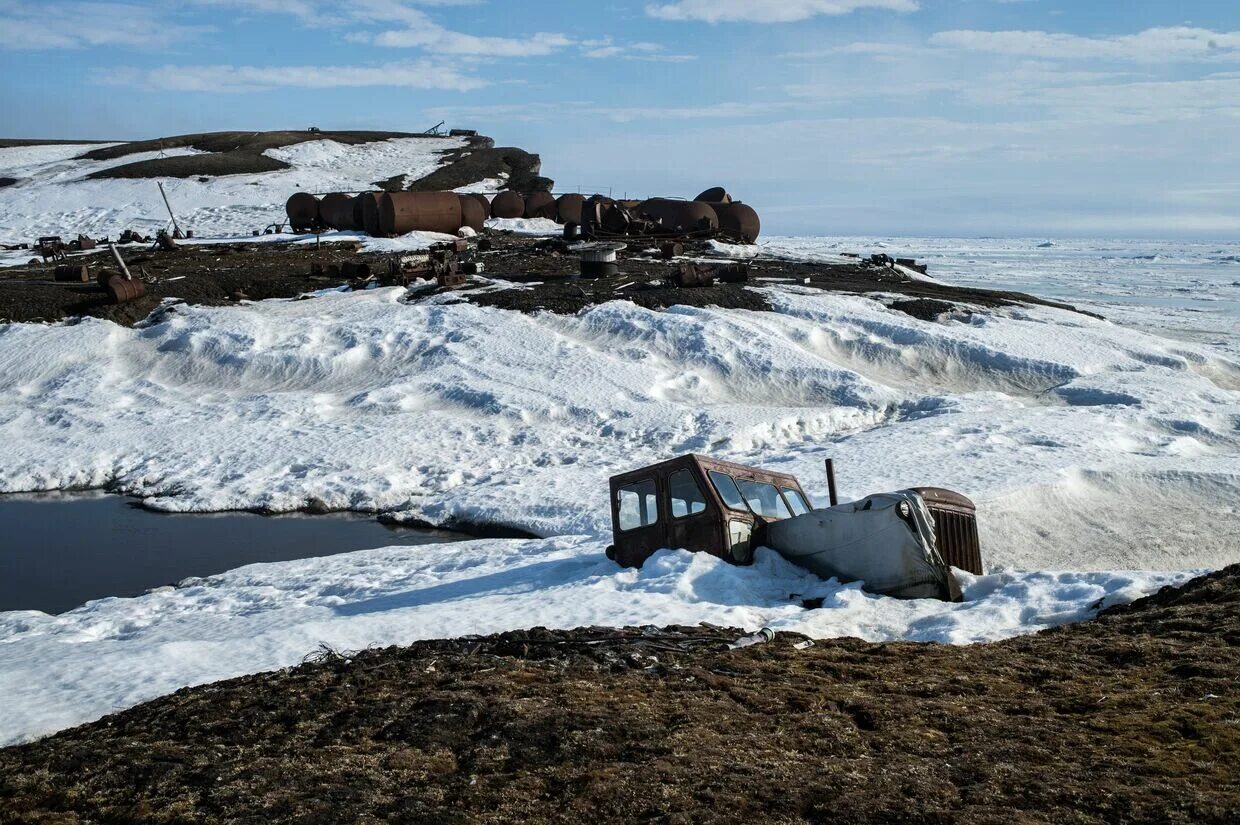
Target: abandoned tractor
(901,544)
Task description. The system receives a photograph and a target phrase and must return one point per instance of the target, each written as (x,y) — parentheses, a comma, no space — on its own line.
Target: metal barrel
(716,194)
(540,205)
(680,216)
(403,212)
(484,201)
(472,213)
(738,221)
(568,208)
(336,210)
(122,290)
(73,274)
(366,212)
(303,211)
(508,205)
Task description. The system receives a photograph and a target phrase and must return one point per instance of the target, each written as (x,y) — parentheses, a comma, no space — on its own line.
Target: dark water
(58,551)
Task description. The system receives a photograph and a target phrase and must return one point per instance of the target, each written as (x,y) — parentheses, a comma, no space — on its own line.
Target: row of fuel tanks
(386,214)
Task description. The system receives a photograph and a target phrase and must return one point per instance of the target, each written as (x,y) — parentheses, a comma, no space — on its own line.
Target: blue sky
(937,117)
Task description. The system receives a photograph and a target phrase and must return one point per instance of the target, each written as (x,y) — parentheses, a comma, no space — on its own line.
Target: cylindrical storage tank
(366,212)
(716,195)
(738,221)
(568,208)
(507,205)
(484,201)
(303,211)
(472,213)
(404,212)
(540,205)
(680,216)
(336,210)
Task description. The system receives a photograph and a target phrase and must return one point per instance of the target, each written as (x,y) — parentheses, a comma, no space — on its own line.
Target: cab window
(638,505)
(764,499)
(726,488)
(686,495)
(796,500)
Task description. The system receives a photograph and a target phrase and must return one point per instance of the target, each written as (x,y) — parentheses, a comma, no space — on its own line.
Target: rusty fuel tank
(472,213)
(540,205)
(303,212)
(738,221)
(366,212)
(716,194)
(483,200)
(336,210)
(568,208)
(508,205)
(680,217)
(403,212)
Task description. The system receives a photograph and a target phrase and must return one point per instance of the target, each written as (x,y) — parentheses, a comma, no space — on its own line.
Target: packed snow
(60,671)
(1091,447)
(53,195)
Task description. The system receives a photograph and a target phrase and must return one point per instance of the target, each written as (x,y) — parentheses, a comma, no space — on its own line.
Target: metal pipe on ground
(403,212)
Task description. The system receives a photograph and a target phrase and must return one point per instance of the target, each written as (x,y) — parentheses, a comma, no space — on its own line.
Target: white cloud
(1158,45)
(71,25)
(768,11)
(420,74)
(438,40)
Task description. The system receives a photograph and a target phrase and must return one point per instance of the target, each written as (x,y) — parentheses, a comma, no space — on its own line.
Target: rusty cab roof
(706,463)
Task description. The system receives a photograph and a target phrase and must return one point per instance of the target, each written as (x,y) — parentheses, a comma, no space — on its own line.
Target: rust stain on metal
(568,208)
(122,290)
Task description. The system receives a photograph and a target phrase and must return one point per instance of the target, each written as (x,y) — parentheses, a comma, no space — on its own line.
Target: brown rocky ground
(1132,717)
(215,275)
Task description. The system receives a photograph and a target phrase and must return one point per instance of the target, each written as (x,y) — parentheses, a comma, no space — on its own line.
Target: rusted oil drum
(121,290)
(336,210)
(366,212)
(472,213)
(508,205)
(540,205)
(738,221)
(303,212)
(680,217)
(716,195)
(404,212)
(484,201)
(73,274)
(568,208)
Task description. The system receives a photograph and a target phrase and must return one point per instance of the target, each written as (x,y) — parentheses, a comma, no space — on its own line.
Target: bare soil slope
(1132,717)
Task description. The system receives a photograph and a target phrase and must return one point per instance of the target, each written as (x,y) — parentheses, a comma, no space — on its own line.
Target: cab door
(640,521)
(693,517)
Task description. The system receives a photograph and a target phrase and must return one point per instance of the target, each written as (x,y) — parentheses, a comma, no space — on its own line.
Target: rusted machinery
(902,544)
(508,205)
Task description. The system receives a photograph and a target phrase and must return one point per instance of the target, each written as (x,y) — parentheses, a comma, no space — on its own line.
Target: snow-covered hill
(55,193)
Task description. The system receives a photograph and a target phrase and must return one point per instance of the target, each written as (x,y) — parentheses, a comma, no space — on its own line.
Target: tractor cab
(701,504)
(903,544)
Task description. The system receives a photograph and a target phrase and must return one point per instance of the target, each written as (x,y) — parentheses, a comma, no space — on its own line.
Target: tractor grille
(955,528)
